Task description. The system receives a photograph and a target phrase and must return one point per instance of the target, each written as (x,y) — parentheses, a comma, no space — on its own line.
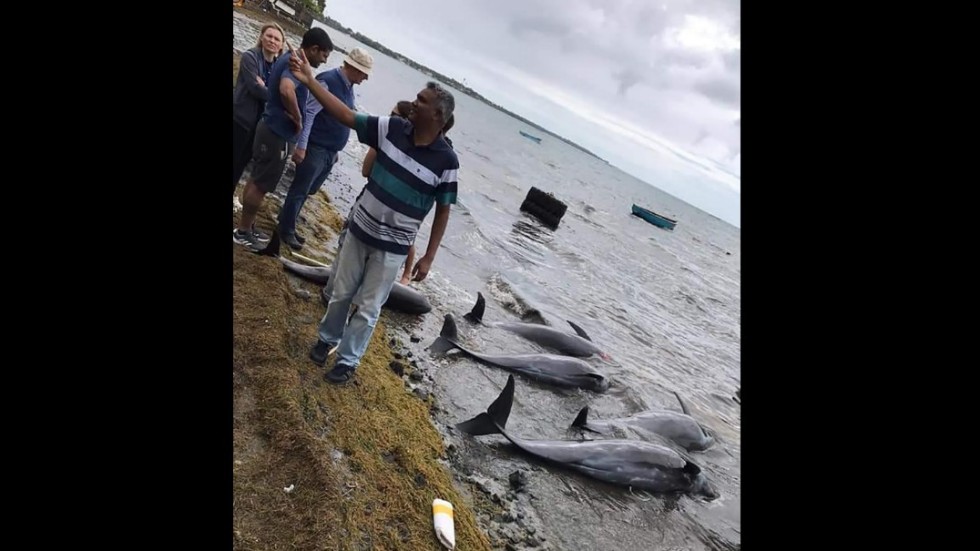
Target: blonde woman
(251,94)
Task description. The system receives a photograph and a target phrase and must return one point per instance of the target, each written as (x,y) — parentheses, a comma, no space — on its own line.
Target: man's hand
(421,268)
(299,155)
(301,68)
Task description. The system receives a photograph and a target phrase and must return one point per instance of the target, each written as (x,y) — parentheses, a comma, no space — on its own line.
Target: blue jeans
(362,276)
(309,176)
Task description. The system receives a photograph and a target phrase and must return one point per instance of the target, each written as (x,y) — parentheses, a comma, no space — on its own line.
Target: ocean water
(664,304)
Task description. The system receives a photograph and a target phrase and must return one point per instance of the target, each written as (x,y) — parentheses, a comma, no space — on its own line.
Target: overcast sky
(639,82)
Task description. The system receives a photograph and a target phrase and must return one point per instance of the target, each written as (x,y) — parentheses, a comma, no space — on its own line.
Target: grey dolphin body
(680,428)
(552,369)
(573,345)
(401,299)
(634,463)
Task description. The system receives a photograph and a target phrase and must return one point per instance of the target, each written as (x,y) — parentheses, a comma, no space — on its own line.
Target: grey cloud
(627,78)
(651,21)
(733,60)
(720,89)
(523,26)
(684,59)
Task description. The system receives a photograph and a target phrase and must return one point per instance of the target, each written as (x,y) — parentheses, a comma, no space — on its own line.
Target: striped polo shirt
(404,183)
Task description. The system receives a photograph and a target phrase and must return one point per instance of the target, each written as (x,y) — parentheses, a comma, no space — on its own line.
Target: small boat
(530,137)
(656,219)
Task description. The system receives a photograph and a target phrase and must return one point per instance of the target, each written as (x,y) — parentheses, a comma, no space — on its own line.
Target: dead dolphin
(579,345)
(552,369)
(679,428)
(401,299)
(634,463)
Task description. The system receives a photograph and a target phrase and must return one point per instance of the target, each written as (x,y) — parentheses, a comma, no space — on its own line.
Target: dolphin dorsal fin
(583,417)
(581,332)
(683,406)
(688,413)
(476,314)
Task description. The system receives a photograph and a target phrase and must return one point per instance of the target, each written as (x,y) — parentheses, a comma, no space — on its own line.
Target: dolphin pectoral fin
(690,468)
(495,418)
(579,331)
(476,314)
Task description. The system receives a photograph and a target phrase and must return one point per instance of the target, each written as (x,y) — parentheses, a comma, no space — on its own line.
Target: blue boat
(530,137)
(654,218)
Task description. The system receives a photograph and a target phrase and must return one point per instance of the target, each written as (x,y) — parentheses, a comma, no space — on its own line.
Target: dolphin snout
(705,489)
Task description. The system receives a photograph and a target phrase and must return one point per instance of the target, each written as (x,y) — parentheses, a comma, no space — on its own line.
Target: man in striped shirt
(414,169)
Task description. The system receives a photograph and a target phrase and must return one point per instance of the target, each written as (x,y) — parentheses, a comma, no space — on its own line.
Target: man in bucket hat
(320,141)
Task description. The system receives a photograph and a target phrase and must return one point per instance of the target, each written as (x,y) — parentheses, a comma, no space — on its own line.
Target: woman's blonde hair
(275,26)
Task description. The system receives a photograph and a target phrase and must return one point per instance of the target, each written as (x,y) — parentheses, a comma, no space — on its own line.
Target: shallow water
(664,304)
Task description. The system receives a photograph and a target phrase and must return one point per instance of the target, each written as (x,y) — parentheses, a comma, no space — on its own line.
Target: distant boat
(656,219)
(530,137)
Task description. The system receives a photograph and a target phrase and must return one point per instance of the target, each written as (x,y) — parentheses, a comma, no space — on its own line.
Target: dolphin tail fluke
(494,419)
(579,331)
(272,249)
(445,341)
(476,314)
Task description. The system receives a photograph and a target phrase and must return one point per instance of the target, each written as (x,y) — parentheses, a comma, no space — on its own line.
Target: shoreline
(362,462)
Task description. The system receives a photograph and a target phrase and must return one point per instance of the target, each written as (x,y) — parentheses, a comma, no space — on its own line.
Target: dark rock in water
(422,393)
(397,367)
(408,354)
(518,480)
(415,338)
(397,355)
(544,206)
(415,376)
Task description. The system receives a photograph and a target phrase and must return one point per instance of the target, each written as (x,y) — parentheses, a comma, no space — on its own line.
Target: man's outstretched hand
(300,67)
